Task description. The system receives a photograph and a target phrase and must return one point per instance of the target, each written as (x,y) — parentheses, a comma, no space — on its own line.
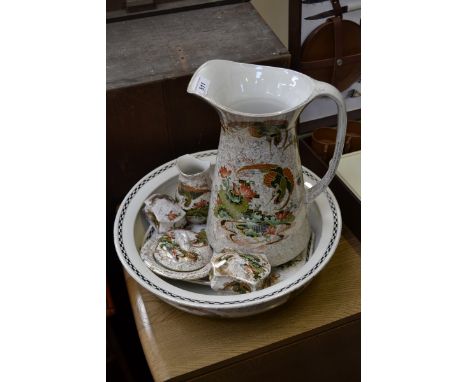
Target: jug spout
(248,90)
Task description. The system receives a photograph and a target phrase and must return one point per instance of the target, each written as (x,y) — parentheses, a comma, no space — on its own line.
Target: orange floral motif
(283,215)
(202,203)
(224,172)
(245,190)
(270,230)
(281,179)
(172,215)
(269,178)
(289,176)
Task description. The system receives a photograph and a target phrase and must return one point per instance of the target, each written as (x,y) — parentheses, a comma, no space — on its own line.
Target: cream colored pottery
(194,188)
(324,219)
(258,202)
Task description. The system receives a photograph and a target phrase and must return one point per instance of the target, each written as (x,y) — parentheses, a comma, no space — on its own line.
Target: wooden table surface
(180,346)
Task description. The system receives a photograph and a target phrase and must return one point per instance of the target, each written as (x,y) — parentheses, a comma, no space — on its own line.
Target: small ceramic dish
(129,231)
(277,274)
(238,272)
(147,255)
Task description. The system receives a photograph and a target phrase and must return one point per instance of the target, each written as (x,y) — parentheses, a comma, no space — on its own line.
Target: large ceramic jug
(258,201)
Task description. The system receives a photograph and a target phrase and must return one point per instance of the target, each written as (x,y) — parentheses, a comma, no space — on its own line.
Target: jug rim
(192,88)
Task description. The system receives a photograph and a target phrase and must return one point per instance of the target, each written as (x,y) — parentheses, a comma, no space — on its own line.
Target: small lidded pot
(238,272)
(163,213)
(183,250)
(194,188)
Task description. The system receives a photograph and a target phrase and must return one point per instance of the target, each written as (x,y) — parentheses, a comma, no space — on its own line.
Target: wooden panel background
(175,45)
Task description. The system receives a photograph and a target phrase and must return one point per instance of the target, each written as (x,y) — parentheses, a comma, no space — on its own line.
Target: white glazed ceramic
(130,227)
(147,254)
(258,204)
(163,213)
(238,272)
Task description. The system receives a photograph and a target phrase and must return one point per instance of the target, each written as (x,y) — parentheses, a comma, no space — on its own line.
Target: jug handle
(327,90)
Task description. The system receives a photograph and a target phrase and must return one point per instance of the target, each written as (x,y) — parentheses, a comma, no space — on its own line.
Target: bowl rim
(126,249)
